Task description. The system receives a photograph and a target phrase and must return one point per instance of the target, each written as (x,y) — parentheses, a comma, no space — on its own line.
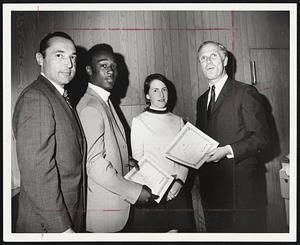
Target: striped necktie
(211,102)
(67,98)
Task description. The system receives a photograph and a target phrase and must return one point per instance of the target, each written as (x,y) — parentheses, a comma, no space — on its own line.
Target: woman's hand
(176,187)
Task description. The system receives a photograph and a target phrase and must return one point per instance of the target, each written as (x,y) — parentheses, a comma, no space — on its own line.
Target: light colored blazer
(51,152)
(109,194)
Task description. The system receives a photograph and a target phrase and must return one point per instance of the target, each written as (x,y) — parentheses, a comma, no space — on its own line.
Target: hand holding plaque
(151,175)
(190,146)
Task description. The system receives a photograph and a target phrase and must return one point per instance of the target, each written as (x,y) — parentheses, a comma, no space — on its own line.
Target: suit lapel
(117,120)
(223,94)
(110,112)
(72,114)
(203,109)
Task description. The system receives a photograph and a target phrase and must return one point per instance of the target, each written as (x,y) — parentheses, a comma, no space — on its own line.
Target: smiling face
(59,63)
(158,94)
(213,62)
(103,70)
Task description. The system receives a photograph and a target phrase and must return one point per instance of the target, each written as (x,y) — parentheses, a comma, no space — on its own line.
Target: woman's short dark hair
(152,77)
(44,44)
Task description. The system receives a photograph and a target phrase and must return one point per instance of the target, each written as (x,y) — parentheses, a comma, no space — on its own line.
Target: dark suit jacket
(238,119)
(51,151)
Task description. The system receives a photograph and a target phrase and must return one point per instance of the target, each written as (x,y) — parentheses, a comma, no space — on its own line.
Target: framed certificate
(190,146)
(152,175)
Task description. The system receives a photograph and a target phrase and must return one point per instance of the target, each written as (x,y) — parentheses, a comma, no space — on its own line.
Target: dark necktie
(211,102)
(67,98)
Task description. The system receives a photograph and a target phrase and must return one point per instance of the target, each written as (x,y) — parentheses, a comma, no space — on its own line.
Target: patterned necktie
(67,99)
(211,102)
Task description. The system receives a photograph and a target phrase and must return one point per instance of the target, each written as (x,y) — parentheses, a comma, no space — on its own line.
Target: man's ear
(39,58)
(225,61)
(147,97)
(89,70)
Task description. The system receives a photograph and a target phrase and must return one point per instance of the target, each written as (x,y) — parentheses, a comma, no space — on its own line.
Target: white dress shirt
(101,92)
(218,87)
(58,87)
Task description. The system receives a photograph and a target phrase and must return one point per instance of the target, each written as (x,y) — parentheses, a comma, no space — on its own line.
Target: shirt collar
(101,92)
(58,87)
(157,109)
(219,85)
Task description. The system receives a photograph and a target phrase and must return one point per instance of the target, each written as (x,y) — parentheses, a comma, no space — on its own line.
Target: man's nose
(69,62)
(208,59)
(109,69)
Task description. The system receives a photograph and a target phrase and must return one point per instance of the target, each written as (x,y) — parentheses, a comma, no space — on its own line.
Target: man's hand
(218,153)
(176,187)
(133,164)
(146,195)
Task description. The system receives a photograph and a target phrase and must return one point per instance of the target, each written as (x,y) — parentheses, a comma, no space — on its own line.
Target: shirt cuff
(231,155)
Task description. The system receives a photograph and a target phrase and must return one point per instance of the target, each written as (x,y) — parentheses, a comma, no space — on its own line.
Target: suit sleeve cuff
(230,155)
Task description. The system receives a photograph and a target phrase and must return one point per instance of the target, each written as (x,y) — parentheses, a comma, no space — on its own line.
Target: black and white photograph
(91,90)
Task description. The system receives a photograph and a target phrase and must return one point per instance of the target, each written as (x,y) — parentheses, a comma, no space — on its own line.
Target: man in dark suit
(50,143)
(231,112)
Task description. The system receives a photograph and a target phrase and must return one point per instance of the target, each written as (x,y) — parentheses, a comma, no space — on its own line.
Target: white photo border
(105,237)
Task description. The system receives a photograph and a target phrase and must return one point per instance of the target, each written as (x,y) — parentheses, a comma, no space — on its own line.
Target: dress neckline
(156,111)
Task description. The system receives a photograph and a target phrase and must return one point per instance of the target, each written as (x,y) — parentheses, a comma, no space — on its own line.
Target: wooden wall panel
(221,24)
(193,63)
(149,59)
(213,24)
(158,45)
(245,45)
(114,23)
(141,51)
(167,48)
(200,37)
(166,42)
(206,25)
(237,52)
(24,47)
(184,81)
(272,82)
(176,57)
(228,21)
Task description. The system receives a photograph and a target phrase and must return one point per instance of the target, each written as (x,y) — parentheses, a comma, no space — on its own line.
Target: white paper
(190,146)
(152,175)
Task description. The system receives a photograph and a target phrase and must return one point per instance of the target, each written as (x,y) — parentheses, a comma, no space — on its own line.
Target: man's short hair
(44,44)
(98,48)
(221,47)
